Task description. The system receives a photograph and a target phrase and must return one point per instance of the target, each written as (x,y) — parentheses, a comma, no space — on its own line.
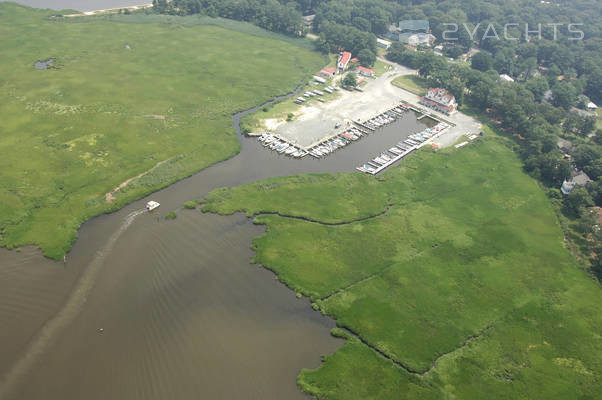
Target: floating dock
(403,148)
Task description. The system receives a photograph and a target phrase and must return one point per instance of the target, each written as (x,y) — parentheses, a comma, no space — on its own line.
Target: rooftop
(345,57)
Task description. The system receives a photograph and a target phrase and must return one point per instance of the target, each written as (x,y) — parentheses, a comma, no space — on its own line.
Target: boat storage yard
(359,129)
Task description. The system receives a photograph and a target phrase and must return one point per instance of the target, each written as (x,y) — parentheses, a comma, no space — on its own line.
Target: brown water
(183,312)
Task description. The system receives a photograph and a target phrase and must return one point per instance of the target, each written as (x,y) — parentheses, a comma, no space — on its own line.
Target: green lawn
(380,67)
(412,83)
(126,93)
(449,268)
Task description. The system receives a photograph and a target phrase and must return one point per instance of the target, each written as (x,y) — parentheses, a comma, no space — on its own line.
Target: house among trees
(308,20)
(418,39)
(344,59)
(412,32)
(382,43)
(579,178)
(439,100)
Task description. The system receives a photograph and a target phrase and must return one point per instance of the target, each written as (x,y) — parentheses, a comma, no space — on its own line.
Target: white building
(579,178)
(420,39)
(567,187)
(506,78)
(385,44)
(438,99)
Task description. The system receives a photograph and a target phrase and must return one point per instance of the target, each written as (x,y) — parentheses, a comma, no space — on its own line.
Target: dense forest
(557,70)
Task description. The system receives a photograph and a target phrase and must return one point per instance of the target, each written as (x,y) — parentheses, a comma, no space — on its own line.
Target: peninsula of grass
(129,104)
(448,274)
(412,83)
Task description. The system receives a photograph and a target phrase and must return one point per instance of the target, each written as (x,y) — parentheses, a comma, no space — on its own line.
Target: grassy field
(411,83)
(447,272)
(380,67)
(123,94)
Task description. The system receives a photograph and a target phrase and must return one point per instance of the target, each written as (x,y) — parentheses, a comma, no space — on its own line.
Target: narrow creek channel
(184,315)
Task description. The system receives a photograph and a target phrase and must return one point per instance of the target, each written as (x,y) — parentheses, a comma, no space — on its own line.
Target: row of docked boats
(334,143)
(426,134)
(385,118)
(272,142)
(401,149)
(356,132)
(385,158)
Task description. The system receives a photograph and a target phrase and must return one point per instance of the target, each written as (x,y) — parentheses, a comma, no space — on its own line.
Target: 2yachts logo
(490,32)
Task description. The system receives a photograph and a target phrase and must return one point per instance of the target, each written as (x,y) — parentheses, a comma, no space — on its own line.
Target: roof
(329,70)
(354,60)
(345,57)
(506,77)
(449,97)
(591,105)
(383,41)
(361,68)
(564,144)
(567,187)
(581,178)
(445,94)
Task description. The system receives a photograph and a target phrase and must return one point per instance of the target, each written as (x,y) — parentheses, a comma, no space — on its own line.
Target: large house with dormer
(343,61)
(439,100)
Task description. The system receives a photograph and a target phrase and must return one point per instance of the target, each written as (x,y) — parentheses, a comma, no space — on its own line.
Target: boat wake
(74,304)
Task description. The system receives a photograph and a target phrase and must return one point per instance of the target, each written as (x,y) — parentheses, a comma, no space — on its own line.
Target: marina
(352,132)
(360,129)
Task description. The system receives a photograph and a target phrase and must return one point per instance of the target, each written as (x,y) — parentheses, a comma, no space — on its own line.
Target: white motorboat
(151,205)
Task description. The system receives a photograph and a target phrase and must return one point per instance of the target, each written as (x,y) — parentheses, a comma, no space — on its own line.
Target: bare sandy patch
(110,196)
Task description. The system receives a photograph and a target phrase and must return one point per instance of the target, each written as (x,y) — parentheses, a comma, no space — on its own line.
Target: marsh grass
(462,289)
(110,113)
(191,205)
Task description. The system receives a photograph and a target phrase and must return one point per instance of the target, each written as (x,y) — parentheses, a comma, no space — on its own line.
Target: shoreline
(110,10)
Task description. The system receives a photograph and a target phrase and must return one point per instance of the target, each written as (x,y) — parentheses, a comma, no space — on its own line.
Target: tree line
(268,14)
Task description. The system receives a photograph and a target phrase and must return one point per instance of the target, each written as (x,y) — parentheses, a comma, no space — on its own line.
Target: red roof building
(344,60)
(329,72)
(438,99)
(365,71)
